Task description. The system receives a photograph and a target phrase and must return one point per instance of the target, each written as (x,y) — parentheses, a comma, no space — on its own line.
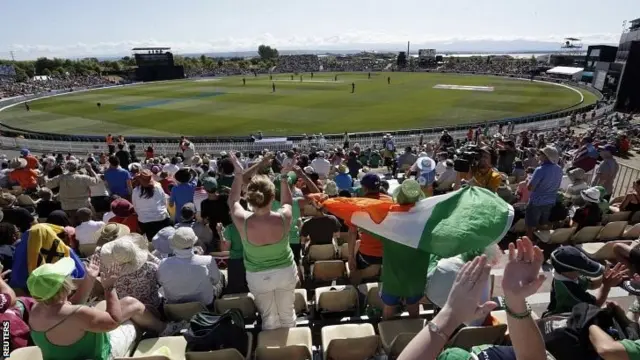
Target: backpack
(209,332)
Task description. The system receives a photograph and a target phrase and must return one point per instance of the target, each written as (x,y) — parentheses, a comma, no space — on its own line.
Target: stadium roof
(150,48)
(564,70)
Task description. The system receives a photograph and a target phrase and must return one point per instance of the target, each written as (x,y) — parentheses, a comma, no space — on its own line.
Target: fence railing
(623,184)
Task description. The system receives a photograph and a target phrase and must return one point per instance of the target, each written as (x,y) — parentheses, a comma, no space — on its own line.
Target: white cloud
(356,39)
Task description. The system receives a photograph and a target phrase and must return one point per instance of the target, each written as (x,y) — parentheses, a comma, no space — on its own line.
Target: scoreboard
(164,59)
(427,54)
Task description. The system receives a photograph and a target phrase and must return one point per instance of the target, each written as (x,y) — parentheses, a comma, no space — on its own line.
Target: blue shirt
(116,179)
(592,151)
(344,181)
(546,181)
(182,194)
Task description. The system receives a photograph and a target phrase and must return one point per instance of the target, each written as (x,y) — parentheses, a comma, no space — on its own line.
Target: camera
(467,157)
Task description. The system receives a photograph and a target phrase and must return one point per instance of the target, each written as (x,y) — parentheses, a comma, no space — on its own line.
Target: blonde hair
(67,287)
(260,191)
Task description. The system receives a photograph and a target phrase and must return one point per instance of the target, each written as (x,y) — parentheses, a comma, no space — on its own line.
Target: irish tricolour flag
(446,225)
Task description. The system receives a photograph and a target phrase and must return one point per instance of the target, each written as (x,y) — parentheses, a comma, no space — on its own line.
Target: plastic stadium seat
(146,348)
(372,294)
(244,302)
(300,301)
(557,236)
(391,329)
(26,353)
(470,336)
(631,232)
(328,270)
(601,251)
(322,252)
(343,238)
(612,231)
(177,312)
(285,343)
(619,216)
(344,252)
(349,341)
(224,354)
(336,299)
(519,227)
(586,234)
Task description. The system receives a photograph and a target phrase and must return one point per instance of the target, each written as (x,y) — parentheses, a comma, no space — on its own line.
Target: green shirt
(404,269)
(90,346)
(232,235)
(632,348)
(375,160)
(294,232)
(565,294)
(266,257)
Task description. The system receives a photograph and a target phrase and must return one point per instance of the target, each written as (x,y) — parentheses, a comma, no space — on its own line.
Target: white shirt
(186,277)
(321,165)
(170,169)
(100,189)
(198,196)
(440,168)
(446,179)
(151,209)
(86,230)
(107,216)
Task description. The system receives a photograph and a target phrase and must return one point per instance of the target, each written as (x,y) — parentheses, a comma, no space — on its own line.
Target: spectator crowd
(10,88)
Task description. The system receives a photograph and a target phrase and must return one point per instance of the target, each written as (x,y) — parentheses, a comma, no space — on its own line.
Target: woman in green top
(65,329)
(268,260)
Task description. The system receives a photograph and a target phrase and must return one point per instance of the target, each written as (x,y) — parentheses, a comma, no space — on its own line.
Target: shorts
(536,215)
(296,249)
(392,300)
(364,261)
(122,339)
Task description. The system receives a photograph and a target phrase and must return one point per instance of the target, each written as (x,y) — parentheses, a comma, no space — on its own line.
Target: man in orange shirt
(370,250)
(22,175)
(32,162)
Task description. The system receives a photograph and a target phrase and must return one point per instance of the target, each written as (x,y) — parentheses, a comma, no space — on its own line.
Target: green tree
(267,52)
(46,72)
(402,59)
(21,74)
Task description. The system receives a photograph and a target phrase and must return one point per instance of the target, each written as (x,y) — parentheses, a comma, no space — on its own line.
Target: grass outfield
(224,106)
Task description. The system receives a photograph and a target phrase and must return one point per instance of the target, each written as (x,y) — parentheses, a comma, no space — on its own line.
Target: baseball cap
(570,258)
(370,181)
(45,281)
(209,183)
(24,152)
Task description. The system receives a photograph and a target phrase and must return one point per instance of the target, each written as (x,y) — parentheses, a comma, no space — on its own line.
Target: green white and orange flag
(469,219)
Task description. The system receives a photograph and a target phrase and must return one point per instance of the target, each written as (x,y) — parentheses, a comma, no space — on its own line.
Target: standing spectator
(506,156)
(22,175)
(321,165)
(587,155)
(406,159)
(150,203)
(543,187)
(99,194)
(32,162)
(607,170)
(214,209)
(184,191)
(226,173)
(172,167)
(353,164)
(75,188)
(343,180)
(444,182)
(85,232)
(203,232)
(123,156)
(268,259)
(118,179)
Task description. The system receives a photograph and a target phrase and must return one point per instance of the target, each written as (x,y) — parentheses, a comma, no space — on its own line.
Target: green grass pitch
(224,106)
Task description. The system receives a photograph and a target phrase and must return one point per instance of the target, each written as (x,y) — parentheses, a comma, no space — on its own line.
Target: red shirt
(32,162)
(131,221)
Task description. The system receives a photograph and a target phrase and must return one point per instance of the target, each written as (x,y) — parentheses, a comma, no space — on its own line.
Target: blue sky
(34,28)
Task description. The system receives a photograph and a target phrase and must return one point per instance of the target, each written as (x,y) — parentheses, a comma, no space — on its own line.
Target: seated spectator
(22,175)
(321,165)
(588,214)
(136,269)
(46,205)
(519,172)
(118,179)
(188,277)
(574,274)
(41,244)
(14,311)
(15,215)
(184,191)
(578,183)
(504,190)
(631,202)
(110,232)
(587,155)
(9,234)
(125,214)
(320,228)
(444,182)
(63,328)
(203,232)
(85,232)
(343,180)
(406,159)
(161,243)
(150,204)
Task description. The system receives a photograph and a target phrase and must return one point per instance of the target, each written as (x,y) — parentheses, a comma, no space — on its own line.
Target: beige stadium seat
(344,252)
(285,343)
(470,336)
(148,347)
(631,232)
(178,312)
(224,354)
(612,231)
(391,329)
(336,299)
(372,293)
(244,302)
(87,250)
(619,216)
(519,227)
(349,341)
(343,238)
(399,343)
(328,270)
(557,236)
(26,353)
(322,252)
(601,251)
(300,301)
(586,234)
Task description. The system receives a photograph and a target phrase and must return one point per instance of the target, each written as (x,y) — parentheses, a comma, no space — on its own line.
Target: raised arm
(238,213)
(253,170)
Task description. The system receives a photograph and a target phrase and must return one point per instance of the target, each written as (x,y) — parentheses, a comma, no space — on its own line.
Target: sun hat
(183,238)
(569,258)
(6,200)
(109,232)
(426,164)
(46,280)
(121,207)
(342,169)
(155,169)
(161,240)
(128,253)
(18,163)
(135,167)
(576,174)
(370,181)
(409,192)
(209,183)
(145,177)
(551,153)
(309,170)
(591,195)
(25,200)
(422,154)
(321,153)
(187,212)
(331,188)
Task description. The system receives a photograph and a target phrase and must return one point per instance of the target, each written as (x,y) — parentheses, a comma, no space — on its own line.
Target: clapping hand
(614,276)
(237,165)
(522,276)
(109,277)
(463,303)
(93,267)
